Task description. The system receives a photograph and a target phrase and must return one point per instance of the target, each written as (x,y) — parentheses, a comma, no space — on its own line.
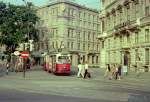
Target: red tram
(58,63)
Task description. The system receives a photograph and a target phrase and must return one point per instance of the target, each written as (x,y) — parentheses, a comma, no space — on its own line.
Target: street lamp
(31,45)
(30,42)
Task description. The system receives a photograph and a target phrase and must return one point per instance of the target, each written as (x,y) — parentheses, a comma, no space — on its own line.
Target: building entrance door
(127,59)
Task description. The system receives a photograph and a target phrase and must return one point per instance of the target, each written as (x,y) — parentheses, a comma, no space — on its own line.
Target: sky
(88,3)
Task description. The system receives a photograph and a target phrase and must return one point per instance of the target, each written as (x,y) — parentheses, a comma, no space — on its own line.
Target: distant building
(71,27)
(125,32)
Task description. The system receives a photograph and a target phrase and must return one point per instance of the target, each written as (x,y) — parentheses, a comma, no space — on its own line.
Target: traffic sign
(17,53)
(25,54)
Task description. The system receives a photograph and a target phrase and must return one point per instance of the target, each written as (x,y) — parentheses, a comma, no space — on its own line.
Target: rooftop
(73,3)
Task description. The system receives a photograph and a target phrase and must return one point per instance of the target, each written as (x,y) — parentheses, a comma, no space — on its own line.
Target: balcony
(145,20)
(126,46)
(127,27)
(92,52)
(102,35)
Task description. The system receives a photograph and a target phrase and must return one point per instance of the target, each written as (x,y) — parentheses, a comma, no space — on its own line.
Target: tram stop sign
(25,54)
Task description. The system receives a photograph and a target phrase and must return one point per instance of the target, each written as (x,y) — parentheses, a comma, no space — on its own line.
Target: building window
(97,47)
(47,45)
(88,58)
(72,31)
(97,59)
(93,36)
(136,37)
(56,46)
(68,44)
(68,33)
(103,26)
(79,35)
(92,59)
(102,44)
(88,17)
(147,56)
(110,43)
(84,15)
(88,46)
(72,45)
(80,14)
(128,39)
(84,35)
(78,46)
(53,45)
(88,35)
(84,46)
(83,58)
(147,11)
(147,35)
(93,18)
(128,14)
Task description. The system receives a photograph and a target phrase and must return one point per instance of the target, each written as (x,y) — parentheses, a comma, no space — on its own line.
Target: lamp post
(28,47)
(28,23)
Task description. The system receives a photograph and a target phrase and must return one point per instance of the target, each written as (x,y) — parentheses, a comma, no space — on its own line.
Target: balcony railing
(145,20)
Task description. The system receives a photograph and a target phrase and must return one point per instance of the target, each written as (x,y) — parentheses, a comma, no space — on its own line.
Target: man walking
(80,70)
(86,70)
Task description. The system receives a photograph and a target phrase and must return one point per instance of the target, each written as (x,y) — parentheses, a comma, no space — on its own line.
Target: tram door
(53,60)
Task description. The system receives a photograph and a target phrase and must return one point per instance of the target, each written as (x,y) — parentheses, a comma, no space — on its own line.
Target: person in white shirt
(80,70)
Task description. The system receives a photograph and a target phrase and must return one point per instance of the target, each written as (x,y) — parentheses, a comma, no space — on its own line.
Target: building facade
(71,27)
(125,32)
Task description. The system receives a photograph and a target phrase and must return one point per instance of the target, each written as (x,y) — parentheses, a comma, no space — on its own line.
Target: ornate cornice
(107,14)
(119,8)
(135,1)
(126,4)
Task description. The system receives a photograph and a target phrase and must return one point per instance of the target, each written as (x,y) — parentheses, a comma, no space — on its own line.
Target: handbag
(88,75)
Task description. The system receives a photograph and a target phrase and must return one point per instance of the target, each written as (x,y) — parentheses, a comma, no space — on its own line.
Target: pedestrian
(113,70)
(28,63)
(108,72)
(7,67)
(80,70)
(86,73)
(118,72)
(125,64)
(125,70)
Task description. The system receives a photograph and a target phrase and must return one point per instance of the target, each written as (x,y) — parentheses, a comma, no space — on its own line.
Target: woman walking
(108,72)
(86,73)
(118,72)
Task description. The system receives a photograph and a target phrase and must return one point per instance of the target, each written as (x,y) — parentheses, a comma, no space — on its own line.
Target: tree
(17,25)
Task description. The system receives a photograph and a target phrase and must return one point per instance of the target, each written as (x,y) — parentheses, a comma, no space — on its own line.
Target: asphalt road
(39,86)
(9,95)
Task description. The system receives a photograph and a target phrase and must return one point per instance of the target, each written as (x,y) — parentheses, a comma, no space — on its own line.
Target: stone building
(125,32)
(68,26)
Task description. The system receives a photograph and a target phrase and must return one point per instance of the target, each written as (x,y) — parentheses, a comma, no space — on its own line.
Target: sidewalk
(2,69)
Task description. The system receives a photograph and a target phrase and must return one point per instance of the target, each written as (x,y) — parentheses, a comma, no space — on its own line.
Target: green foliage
(16,24)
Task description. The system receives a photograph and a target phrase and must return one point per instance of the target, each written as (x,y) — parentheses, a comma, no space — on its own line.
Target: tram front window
(63,59)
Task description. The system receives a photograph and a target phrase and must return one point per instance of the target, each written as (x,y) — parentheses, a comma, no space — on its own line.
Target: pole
(24,72)
(25,60)
(24,67)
